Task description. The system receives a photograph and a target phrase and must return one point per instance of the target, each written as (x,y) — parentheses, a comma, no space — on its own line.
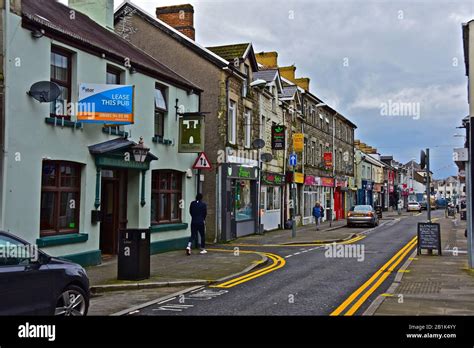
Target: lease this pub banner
(110,104)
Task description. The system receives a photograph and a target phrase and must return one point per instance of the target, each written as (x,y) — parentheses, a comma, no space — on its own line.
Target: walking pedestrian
(318,213)
(198,211)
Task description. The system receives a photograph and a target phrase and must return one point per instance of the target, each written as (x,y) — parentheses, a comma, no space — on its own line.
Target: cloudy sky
(395,68)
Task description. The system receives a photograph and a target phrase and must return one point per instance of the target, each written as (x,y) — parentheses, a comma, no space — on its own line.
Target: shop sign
(311,180)
(191,134)
(328,159)
(278,137)
(378,187)
(109,104)
(298,142)
(367,185)
(341,183)
(272,179)
(242,172)
(299,177)
(327,182)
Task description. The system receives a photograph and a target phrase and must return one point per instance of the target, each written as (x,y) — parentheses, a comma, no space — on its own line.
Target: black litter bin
(378,211)
(463,214)
(134,254)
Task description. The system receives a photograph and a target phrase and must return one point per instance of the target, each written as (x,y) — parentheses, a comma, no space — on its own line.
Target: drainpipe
(6,94)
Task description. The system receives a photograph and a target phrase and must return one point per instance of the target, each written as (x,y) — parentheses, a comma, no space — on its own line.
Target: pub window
(60,194)
(248,128)
(273,198)
(166,193)
(61,74)
(160,110)
(113,76)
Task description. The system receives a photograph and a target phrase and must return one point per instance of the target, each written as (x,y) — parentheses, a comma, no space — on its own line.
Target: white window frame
(248,128)
(232,123)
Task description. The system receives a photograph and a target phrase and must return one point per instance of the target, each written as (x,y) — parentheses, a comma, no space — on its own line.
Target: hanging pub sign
(328,159)
(191,134)
(109,104)
(298,142)
(278,137)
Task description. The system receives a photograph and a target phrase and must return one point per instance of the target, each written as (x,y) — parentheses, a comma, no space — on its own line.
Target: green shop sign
(273,179)
(236,171)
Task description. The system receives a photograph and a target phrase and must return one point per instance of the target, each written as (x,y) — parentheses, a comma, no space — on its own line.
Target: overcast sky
(365,58)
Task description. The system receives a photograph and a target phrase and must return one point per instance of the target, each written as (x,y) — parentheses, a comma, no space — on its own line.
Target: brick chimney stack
(180,17)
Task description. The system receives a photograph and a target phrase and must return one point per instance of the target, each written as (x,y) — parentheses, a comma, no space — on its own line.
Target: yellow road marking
(434,219)
(417,214)
(403,271)
(278,262)
(374,287)
(387,295)
(354,295)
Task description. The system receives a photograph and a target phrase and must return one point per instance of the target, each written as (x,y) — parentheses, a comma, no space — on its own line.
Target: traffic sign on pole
(293,160)
(202,162)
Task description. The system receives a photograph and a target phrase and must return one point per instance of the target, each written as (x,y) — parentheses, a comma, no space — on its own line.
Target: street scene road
(310,283)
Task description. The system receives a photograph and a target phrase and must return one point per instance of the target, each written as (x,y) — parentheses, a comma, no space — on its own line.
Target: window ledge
(62,239)
(168,227)
(60,121)
(160,140)
(114,131)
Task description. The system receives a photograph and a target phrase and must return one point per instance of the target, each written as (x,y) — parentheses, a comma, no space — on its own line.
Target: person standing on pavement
(318,214)
(198,211)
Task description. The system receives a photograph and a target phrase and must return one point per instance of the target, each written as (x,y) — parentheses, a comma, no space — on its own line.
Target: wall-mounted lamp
(132,70)
(37,33)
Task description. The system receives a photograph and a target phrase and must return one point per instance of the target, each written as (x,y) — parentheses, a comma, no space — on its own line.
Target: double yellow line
(376,280)
(278,262)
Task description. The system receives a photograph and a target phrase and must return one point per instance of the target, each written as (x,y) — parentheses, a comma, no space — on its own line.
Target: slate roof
(266,75)
(114,145)
(129,7)
(85,34)
(288,92)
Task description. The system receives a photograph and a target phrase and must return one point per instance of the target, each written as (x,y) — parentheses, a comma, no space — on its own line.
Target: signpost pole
(428,185)
(293,207)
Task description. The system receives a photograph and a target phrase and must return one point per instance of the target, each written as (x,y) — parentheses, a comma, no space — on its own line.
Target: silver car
(361,215)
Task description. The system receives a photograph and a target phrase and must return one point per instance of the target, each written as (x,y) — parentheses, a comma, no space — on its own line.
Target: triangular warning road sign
(202,162)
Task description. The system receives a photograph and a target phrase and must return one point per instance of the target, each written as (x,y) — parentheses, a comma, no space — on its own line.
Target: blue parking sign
(293,160)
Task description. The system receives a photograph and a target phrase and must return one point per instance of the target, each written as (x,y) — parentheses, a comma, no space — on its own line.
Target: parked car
(34,283)
(414,206)
(362,214)
(424,205)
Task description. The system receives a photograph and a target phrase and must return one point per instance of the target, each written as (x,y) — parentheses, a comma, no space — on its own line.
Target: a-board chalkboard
(429,236)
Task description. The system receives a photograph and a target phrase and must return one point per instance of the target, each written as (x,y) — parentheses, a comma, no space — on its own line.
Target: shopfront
(298,197)
(378,194)
(239,198)
(365,194)
(327,196)
(339,198)
(312,194)
(271,195)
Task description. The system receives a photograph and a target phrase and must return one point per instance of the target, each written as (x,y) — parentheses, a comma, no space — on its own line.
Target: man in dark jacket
(198,211)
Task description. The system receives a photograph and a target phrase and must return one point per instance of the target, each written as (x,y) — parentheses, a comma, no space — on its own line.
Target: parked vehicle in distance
(34,283)
(424,205)
(414,206)
(361,215)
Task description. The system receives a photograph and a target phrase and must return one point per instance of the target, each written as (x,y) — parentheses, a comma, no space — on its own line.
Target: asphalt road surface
(312,281)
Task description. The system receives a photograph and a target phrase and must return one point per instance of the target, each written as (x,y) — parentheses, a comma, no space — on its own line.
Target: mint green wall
(31,140)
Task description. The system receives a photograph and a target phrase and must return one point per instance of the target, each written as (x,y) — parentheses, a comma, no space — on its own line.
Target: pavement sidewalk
(304,235)
(430,284)
(170,272)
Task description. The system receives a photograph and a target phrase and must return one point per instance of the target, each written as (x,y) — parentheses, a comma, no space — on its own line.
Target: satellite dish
(258,143)
(266,157)
(45,91)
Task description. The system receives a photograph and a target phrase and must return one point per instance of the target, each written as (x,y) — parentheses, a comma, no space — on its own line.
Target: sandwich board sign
(202,162)
(429,237)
